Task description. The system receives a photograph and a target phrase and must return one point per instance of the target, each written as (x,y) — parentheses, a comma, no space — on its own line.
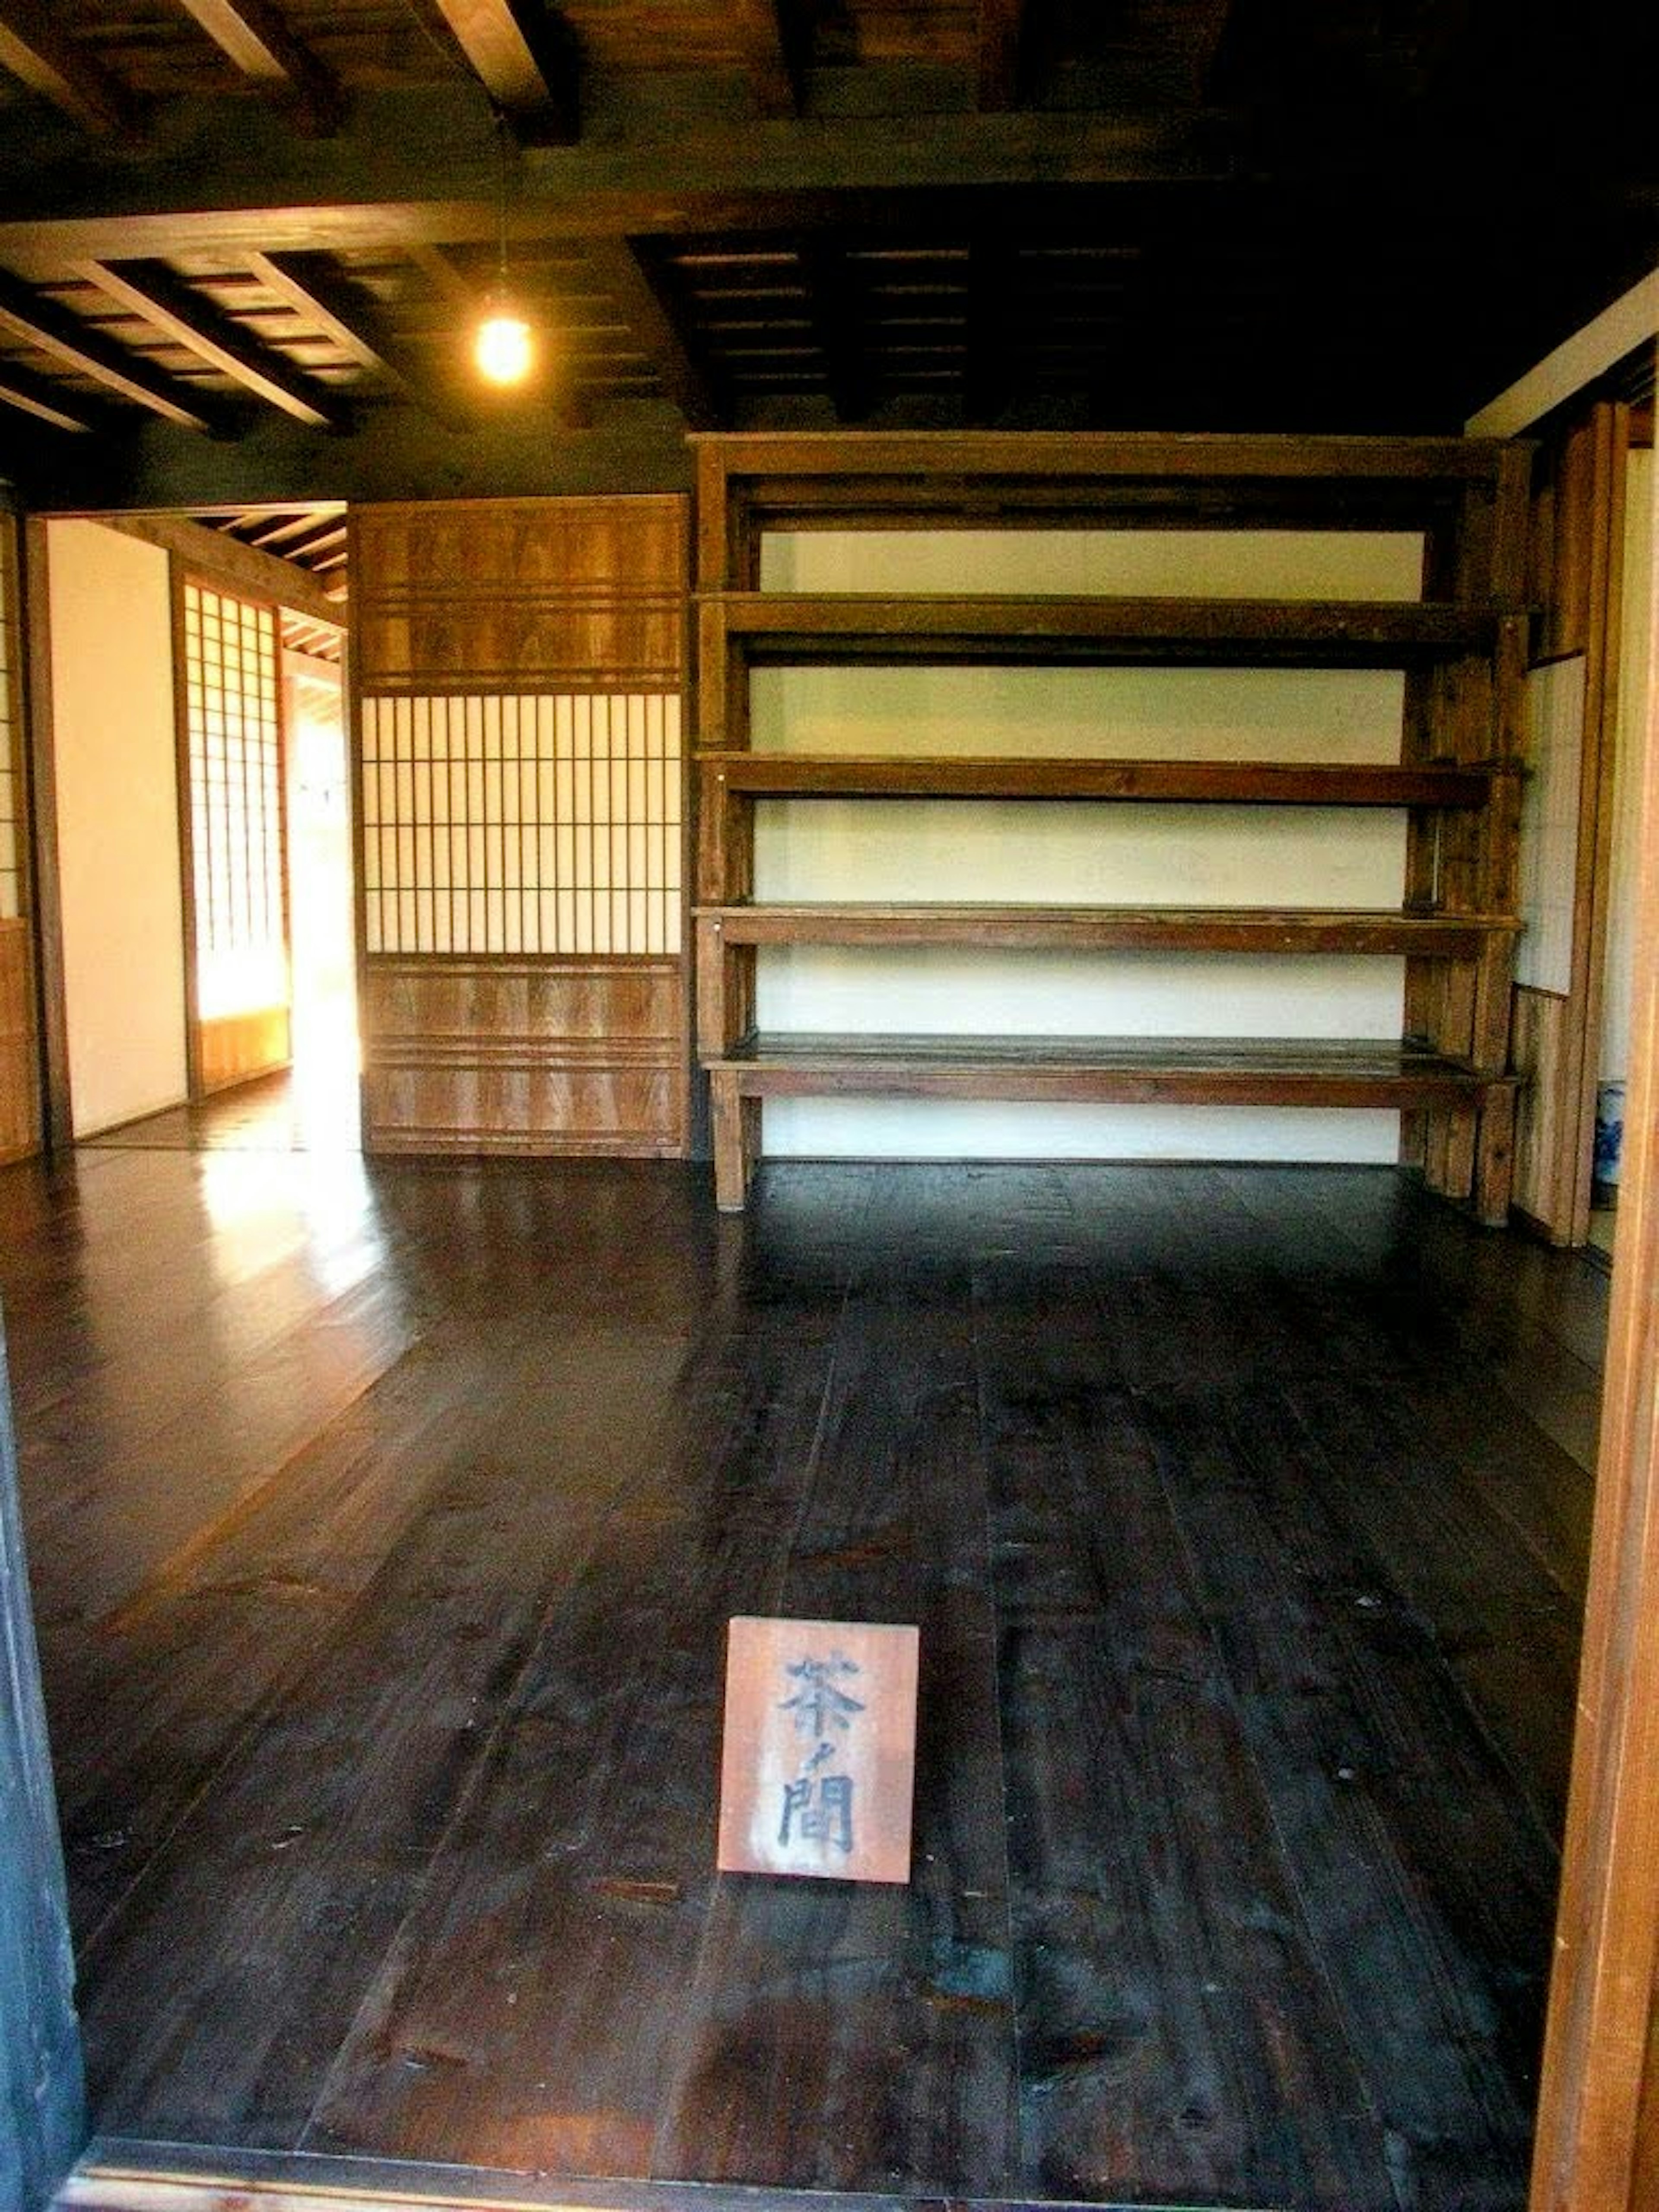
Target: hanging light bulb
(503,345)
(503,348)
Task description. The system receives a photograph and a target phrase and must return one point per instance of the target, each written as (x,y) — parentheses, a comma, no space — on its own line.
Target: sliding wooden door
(519,670)
(232,835)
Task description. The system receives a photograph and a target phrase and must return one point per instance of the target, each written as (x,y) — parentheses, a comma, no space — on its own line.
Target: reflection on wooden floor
(280,1113)
(384,1522)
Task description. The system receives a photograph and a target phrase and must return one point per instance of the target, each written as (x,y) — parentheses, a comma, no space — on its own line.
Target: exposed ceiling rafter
(150,289)
(292,532)
(526,57)
(46,401)
(631,283)
(440,272)
(38,53)
(309,284)
(53,330)
(215,552)
(1002,29)
(257,40)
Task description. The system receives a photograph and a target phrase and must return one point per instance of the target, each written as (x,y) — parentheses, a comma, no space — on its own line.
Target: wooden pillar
(42,2109)
(737,1135)
(58,1118)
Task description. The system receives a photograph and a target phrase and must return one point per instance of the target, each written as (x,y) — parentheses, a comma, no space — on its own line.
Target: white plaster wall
(1054,853)
(117,828)
(1635,709)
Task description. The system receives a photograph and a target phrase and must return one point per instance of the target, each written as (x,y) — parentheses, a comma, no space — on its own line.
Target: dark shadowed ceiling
(242,241)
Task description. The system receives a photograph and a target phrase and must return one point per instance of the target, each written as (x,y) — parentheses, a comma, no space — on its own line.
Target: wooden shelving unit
(1458,776)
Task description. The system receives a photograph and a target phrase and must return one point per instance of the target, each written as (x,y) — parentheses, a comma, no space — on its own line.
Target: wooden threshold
(116,2174)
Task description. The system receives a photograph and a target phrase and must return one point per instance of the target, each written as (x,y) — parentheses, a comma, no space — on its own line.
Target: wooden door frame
(1610,429)
(1578,555)
(1597,2147)
(184,573)
(42,2093)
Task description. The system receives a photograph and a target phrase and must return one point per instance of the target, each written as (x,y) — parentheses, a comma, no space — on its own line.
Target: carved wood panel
(20,1129)
(524,1056)
(525,595)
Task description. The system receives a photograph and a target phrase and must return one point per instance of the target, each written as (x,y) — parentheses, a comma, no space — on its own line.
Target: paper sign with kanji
(818,1764)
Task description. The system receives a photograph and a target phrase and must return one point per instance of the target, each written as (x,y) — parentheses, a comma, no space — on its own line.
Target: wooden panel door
(519,672)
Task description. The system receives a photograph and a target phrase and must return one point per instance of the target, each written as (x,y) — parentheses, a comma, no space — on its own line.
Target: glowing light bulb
(502,348)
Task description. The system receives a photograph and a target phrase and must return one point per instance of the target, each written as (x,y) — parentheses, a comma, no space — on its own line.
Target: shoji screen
(519,669)
(18,1101)
(237,894)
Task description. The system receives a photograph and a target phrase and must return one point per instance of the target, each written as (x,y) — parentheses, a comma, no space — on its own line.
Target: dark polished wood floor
(385,1521)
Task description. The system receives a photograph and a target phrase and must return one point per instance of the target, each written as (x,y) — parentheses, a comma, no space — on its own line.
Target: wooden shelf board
(807,776)
(1190,1071)
(972,628)
(1106,928)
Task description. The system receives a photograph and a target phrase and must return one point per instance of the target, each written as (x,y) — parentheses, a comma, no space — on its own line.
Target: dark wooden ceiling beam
(216,553)
(445,278)
(315,290)
(46,401)
(257,40)
(424,168)
(396,453)
(150,290)
(526,57)
(38,54)
(1001,30)
(647,308)
(65,338)
(770,37)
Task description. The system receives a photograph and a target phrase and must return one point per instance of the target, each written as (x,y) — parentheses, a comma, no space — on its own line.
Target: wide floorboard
(385,1521)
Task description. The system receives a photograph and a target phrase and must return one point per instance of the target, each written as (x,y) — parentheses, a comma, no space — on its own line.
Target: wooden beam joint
(526,58)
(40,54)
(256,38)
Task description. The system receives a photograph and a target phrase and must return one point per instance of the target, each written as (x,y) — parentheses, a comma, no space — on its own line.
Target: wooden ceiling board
(945,31)
(1203,213)
(658,35)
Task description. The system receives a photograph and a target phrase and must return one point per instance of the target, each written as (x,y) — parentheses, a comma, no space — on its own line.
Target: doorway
(326,1053)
